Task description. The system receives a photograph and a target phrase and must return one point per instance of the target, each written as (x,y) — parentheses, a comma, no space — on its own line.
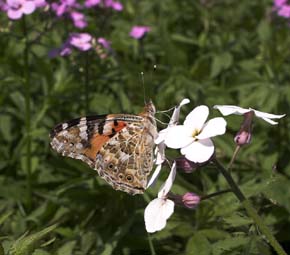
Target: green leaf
(67,248)
(264,31)
(25,245)
(198,244)
(220,62)
(230,244)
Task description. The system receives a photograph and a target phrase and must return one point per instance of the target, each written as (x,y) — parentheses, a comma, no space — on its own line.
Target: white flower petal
(268,115)
(231,109)
(178,137)
(175,116)
(197,117)
(160,153)
(199,151)
(184,102)
(154,176)
(156,214)
(272,122)
(165,188)
(214,127)
(161,136)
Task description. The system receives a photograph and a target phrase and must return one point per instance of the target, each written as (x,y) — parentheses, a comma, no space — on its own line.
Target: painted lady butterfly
(118,146)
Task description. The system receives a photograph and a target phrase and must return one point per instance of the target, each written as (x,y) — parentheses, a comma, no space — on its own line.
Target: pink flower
(40,3)
(279,3)
(284,11)
(78,19)
(91,3)
(139,32)
(105,43)
(117,6)
(16,8)
(81,41)
(65,6)
(64,50)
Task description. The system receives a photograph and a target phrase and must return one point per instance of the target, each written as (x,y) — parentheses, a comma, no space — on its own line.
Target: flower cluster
(81,42)
(74,11)
(15,9)
(282,8)
(193,138)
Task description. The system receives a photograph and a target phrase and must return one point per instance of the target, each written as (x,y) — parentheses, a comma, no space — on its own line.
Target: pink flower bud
(190,200)
(187,166)
(245,133)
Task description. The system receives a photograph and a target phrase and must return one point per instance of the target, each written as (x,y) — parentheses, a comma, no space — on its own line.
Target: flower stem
(250,209)
(27,111)
(215,194)
(152,250)
(86,81)
(234,157)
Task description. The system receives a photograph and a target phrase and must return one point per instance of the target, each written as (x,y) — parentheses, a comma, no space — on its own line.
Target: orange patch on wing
(97,141)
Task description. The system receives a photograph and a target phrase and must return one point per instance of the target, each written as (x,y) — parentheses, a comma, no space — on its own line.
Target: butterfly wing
(118,146)
(126,160)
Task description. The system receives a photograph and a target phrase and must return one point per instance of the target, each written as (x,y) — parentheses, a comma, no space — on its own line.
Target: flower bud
(190,200)
(186,165)
(245,133)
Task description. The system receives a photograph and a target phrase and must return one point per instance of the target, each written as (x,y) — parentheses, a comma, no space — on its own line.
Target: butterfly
(119,146)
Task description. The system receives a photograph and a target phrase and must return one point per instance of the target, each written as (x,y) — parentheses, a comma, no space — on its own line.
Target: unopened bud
(187,166)
(245,133)
(190,200)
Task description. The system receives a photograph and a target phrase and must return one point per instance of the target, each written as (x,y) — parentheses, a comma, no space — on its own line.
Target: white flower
(173,122)
(160,148)
(160,209)
(193,137)
(232,109)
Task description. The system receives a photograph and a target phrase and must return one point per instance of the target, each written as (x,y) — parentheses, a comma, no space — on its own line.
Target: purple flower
(81,41)
(78,19)
(139,32)
(117,6)
(64,50)
(3,6)
(92,3)
(284,11)
(65,6)
(16,8)
(40,3)
(279,3)
(105,43)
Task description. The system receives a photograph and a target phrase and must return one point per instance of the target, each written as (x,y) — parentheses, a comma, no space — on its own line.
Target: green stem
(152,250)
(250,209)
(86,81)
(27,111)
(218,193)
(234,157)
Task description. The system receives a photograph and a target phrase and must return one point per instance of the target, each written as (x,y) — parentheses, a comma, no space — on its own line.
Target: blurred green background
(212,52)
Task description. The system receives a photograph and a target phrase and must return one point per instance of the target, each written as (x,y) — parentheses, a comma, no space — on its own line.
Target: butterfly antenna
(143,85)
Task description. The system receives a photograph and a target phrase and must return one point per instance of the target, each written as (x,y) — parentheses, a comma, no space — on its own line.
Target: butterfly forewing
(118,146)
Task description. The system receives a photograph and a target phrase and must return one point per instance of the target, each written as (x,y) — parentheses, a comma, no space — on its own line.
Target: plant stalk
(27,111)
(250,209)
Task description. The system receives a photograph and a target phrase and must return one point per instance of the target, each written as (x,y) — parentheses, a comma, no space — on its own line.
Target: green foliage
(213,52)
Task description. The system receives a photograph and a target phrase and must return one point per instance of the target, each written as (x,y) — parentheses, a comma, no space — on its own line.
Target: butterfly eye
(129,177)
(121,176)
(111,166)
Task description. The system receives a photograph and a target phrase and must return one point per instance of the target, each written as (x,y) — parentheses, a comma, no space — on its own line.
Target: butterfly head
(149,108)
